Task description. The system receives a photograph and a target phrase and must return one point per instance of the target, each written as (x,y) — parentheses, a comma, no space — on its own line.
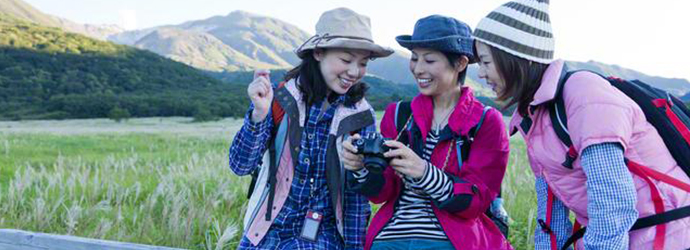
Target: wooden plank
(18,239)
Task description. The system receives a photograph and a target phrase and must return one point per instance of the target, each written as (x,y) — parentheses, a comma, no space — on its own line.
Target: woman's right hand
(260,92)
(351,160)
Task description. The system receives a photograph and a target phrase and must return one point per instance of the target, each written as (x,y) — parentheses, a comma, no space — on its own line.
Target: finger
(256,87)
(351,157)
(347,145)
(394,144)
(264,73)
(396,153)
(355,136)
(399,168)
(395,163)
(266,83)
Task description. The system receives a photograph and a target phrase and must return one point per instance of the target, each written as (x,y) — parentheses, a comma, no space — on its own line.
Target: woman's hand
(260,92)
(404,160)
(351,160)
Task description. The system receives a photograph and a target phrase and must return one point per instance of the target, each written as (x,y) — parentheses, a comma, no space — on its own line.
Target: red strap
(549,208)
(680,126)
(572,152)
(277,111)
(576,227)
(664,177)
(656,199)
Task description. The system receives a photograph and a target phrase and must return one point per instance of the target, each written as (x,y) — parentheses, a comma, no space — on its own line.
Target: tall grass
(155,181)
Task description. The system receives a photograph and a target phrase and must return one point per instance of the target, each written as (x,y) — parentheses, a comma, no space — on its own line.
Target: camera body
(372,148)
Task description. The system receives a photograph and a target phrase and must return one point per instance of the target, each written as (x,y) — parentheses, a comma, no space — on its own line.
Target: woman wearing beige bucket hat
(300,200)
(591,147)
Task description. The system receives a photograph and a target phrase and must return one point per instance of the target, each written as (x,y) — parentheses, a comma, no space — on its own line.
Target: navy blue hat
(441,33)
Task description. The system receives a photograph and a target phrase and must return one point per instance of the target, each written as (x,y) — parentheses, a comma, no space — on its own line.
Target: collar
(549,83)
(545,93)
(467,113)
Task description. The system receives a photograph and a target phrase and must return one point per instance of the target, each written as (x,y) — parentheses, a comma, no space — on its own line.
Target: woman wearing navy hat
(448,162)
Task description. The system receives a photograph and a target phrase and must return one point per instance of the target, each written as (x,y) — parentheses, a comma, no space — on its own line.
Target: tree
(204,115)
(118,114)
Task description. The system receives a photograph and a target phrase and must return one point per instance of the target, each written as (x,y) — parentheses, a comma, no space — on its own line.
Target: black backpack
(403,116)
(665,112)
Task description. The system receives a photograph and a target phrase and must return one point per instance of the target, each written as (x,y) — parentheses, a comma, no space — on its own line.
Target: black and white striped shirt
(413,216)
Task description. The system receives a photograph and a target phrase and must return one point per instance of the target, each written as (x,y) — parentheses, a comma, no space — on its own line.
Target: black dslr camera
(372,148)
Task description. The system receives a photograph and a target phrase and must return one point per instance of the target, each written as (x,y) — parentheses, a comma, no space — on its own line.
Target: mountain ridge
(23,10)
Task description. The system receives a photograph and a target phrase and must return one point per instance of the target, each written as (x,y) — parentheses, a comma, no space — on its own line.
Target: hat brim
(454,44)
(346,43)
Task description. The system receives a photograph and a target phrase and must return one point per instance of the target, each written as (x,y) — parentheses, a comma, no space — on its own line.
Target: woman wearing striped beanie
(608,130)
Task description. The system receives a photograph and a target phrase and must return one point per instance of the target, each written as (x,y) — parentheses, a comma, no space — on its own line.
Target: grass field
(159,181)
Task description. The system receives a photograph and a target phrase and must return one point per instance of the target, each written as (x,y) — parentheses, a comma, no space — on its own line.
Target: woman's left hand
(404,160)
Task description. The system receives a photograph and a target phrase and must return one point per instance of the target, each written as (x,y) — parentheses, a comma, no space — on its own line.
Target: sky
(647,36)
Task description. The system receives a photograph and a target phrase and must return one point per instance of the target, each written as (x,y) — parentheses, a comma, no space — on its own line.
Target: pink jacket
(481,174)
(597,113)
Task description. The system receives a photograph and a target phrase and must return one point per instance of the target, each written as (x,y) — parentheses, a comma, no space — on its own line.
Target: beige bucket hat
(343,28)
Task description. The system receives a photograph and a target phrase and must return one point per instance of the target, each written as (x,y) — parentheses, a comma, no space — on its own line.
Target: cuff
(255,126)
(361,175)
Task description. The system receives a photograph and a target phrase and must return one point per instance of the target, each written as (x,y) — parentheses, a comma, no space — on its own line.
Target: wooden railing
(11,239)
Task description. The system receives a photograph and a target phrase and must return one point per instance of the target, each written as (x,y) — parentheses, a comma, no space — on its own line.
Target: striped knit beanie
(521,28)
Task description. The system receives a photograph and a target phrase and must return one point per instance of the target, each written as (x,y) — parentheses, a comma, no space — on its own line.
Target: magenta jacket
(475,186)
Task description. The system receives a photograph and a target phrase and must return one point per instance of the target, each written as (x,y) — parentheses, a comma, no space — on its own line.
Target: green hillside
(46,73)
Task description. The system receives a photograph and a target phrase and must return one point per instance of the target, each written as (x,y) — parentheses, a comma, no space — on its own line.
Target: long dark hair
(522,78)
(454,60)
(314,88)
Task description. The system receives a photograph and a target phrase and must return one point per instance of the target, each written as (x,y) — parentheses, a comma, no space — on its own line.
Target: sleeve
(437,184)
(382,187)
(560,223)
(611,193)
(479,182)
(357,213)
(249,144)
(357,209)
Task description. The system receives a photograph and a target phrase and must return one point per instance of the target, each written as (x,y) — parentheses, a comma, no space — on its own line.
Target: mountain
(674,86)
(197,49)
(238,41)
(46,73)
(242,41)
(245,41)
(686,98)
(22,10)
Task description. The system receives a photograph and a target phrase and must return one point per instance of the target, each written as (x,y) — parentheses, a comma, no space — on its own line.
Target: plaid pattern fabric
(308,191)
(250,143)
(611,201)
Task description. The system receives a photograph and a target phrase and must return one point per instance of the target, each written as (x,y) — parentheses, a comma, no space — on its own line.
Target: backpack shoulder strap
(403,111)
(403,114)
(557,113)
(463,143)
(559,118)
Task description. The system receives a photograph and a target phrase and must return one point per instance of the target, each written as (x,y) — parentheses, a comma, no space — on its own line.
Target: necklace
(445,118)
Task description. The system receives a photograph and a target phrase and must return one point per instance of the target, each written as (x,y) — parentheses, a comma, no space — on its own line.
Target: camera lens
(375,164)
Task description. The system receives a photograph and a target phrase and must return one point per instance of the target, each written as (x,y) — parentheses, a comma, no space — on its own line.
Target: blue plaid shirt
(308,190)
(611,202)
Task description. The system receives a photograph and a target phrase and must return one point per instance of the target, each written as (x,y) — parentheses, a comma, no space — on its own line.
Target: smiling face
(488,70)
(342,68)
(433,72)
